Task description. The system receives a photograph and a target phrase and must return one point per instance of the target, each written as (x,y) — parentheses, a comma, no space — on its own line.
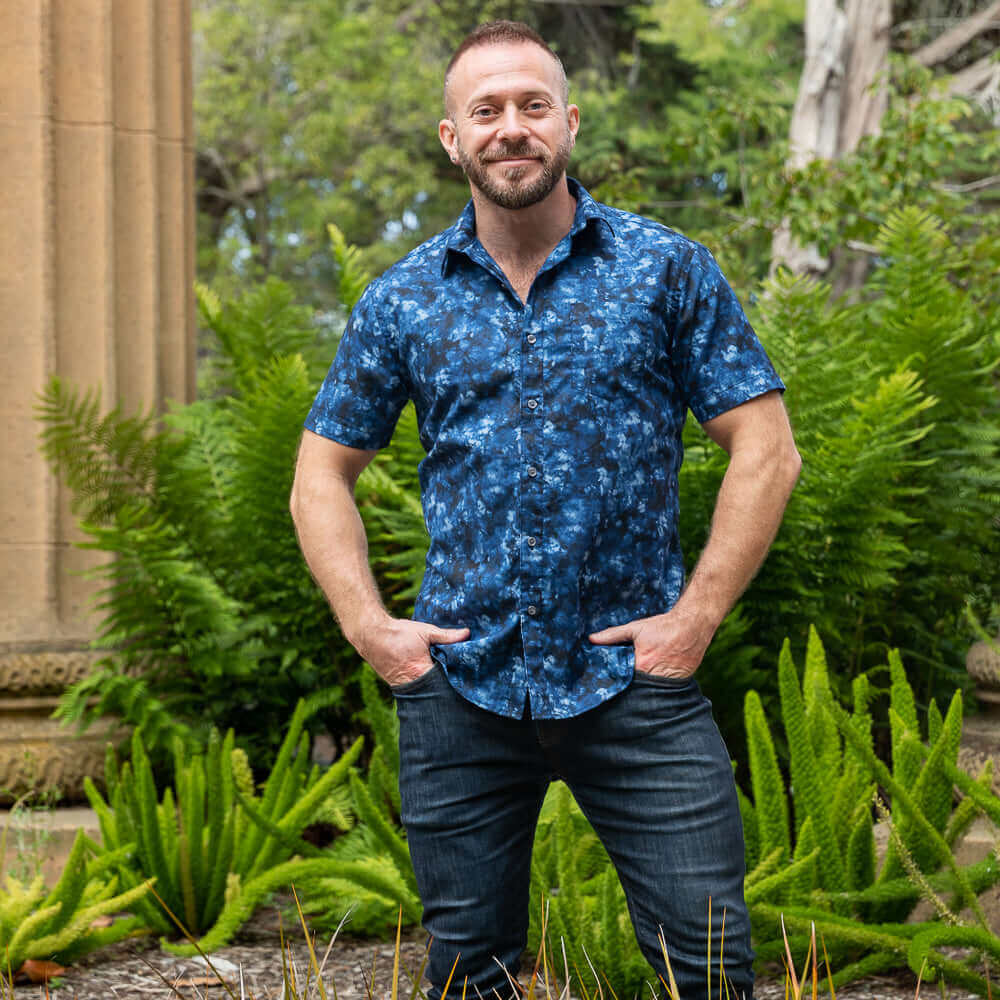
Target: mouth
(517,161)
(514,160)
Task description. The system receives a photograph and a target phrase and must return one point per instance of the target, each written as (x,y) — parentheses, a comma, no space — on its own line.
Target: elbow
(791,463)
(295,501)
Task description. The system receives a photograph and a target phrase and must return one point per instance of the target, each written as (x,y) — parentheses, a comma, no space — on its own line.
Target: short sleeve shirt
(552,431)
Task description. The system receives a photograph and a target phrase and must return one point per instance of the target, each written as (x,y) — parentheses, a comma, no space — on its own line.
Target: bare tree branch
(945,46)
(970,81)
(983,182)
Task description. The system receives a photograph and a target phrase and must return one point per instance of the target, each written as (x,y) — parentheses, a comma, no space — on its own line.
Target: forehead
(491,69)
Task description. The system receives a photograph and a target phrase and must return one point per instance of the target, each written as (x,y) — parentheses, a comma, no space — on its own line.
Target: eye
(482,112)
(537,106)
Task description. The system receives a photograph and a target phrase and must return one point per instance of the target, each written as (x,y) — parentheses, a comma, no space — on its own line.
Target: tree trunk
(864,95)
(839,100)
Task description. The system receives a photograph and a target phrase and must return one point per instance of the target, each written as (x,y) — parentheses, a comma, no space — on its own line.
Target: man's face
(509,129)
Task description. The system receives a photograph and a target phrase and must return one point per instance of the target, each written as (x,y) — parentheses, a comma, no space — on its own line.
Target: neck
(524,232)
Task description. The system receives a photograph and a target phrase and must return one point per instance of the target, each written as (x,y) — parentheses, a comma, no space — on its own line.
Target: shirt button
(532,403)
(532,471)
(530,338)
(532,542)
(532,610)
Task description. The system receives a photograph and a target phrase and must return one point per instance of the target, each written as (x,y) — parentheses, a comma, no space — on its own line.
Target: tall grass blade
(395,957)
(447,982)
(670,987)
(194,943)
(708,965)
(313,962)
(722,968)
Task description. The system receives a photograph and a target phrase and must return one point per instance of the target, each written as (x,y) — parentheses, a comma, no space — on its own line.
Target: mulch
(136,969)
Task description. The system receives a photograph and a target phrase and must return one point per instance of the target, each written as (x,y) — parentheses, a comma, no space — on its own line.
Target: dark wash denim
(651,773)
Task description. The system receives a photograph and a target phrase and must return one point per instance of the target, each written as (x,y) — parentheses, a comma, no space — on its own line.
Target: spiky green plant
(369,871)
(585,906)
(211,839)
(58,924)
(858,905)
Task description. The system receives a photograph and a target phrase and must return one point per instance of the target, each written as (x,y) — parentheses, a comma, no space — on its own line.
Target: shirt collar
(463,233)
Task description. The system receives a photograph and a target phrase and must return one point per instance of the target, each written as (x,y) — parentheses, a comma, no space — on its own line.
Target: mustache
(521,149)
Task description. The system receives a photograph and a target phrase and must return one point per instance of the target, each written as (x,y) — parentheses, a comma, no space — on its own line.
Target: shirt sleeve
(366,388)
(718,360)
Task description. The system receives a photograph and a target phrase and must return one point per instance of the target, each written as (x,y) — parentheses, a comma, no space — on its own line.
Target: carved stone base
(37,754)
(43,671)
(981,742)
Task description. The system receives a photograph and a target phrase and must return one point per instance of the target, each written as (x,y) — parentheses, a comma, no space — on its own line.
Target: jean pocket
(417,684)
(658,680)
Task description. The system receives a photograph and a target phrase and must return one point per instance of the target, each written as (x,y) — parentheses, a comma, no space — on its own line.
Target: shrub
(211,841)
(209,614)
(61,924)
(891,531)
(811,856)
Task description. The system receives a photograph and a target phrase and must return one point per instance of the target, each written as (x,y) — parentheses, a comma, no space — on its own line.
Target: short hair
(503,33)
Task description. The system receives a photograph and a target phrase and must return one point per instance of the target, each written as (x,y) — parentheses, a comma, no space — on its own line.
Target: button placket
(532,367)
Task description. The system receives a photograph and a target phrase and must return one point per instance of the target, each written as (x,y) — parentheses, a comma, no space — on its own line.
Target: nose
(511,126)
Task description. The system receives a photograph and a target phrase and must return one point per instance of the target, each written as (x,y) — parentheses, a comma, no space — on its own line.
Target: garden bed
(138,969)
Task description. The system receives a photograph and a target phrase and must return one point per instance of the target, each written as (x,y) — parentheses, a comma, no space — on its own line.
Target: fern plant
(891,530)
(209,616)
(61,924)
(211,838)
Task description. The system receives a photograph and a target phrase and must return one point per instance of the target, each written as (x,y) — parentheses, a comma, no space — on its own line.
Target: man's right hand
(398,649)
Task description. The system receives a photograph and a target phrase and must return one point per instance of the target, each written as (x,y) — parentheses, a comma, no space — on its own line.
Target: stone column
(96,274)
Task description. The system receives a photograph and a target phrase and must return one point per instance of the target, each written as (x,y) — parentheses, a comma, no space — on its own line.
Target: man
(551,346)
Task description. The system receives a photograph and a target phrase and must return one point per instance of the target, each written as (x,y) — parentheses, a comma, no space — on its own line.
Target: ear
(448,137)
(573,120)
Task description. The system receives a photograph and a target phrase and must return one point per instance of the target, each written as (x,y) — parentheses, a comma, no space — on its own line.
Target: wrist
(700,609)
(361,627)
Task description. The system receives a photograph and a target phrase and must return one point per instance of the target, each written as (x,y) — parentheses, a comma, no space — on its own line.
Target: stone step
(40,839)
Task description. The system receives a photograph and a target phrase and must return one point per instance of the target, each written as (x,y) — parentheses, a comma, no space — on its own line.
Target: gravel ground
(139,969)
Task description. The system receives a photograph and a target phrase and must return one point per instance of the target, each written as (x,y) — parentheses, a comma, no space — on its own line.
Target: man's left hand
(669,645)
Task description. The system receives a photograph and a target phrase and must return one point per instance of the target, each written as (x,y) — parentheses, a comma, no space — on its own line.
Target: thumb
(614,634)
(446,635)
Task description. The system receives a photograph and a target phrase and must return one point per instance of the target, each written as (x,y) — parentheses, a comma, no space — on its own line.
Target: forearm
(748,511)
(333,541)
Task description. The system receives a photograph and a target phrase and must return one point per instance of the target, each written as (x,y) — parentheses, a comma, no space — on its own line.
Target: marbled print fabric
(553,438)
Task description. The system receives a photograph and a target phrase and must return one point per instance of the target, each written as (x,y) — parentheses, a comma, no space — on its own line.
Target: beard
(511,190)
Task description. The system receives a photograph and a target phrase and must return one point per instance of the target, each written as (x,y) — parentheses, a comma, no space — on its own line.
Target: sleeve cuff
(723,398)
(345,434)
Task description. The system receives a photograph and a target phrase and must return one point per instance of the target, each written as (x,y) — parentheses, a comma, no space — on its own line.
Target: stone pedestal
(96,285)
(36,753)
(981,733)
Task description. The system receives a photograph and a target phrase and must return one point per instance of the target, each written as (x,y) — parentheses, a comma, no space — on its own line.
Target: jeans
(650,772)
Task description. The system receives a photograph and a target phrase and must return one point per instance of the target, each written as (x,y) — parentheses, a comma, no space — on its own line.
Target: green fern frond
(353,276)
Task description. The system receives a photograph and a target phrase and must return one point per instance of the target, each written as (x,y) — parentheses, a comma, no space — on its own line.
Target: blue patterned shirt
(553,437)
